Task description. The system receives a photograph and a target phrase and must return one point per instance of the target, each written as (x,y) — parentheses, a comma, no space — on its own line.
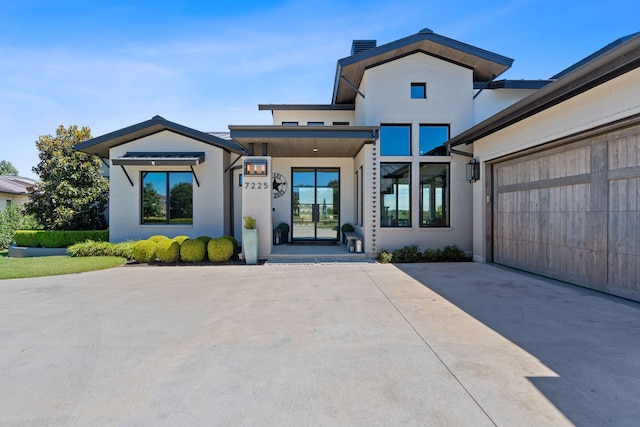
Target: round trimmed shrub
(205,239)
(168,250)
(180,239)
(233,241)
(157,238)
(193,250)
(144,251)
(220,249)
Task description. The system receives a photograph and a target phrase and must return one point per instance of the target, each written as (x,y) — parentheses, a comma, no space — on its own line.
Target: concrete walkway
(345,344)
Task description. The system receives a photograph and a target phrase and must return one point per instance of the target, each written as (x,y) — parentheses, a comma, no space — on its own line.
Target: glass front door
(315,203)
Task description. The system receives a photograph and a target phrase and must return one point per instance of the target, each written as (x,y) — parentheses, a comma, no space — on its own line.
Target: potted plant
(284,228)
(346,228)
(250,240)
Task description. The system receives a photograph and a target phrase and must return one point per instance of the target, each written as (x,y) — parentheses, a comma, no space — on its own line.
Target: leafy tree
(11,219)
(72,193)
(181,201)
(151,206)
(7,169)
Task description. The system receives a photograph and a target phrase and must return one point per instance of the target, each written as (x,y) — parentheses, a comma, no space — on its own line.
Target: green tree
(72,193)
(7,169)
(181,201)
(151,206)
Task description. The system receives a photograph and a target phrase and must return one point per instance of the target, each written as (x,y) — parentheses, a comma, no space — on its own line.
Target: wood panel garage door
(573,212)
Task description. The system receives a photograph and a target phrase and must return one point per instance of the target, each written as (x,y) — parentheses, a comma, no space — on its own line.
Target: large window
(167,198)
(434,194)
(432,138)
(395,194)
(395,140)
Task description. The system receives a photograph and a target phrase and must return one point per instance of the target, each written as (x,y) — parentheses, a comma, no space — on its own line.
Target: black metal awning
(159,159)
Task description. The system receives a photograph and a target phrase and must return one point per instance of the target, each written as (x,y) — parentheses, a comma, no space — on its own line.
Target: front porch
(313,253)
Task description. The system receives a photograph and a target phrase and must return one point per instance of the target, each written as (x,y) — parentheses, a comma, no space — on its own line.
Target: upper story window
(315,123)
(395,140)
(418,91)
(432,138)
(289,123)
(341,123)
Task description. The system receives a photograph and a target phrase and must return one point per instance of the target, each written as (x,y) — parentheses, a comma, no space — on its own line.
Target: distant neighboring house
(421,144)
(14,190)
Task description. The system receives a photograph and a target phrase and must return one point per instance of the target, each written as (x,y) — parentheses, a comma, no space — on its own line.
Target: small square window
(418,91)
(315,123)
(289,123)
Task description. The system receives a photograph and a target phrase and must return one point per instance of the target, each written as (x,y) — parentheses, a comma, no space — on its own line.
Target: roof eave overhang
(602,69)
(101,145)
(307,141)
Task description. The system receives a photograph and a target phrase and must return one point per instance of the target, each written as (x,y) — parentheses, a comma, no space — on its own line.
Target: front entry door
(315,204)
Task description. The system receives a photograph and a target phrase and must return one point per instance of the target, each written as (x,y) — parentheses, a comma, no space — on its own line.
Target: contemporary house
(422,143)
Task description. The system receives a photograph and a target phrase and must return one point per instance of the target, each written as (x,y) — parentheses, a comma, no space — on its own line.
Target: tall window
(167,198)
(395,140)
(432,138)
(395,194)
(434,194)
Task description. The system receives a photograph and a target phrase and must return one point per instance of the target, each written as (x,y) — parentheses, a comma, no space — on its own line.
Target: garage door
(573,212)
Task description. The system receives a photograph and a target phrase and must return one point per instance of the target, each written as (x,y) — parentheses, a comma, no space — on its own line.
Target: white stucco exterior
(209,217)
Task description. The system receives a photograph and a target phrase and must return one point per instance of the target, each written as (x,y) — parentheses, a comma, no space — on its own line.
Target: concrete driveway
(350,344)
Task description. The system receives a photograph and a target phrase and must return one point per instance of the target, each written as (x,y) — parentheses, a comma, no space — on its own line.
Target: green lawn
(15,268)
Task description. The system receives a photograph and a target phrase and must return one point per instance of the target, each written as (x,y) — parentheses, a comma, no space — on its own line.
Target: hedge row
(57,239)
(182,248)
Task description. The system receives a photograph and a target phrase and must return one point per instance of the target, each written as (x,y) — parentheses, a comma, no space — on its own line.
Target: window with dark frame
(340,123)
(432,139)
(315,123)
(395,140)
(361,218)
(395,194)
(434,194)
(289,123)
(418,91)
(167,198)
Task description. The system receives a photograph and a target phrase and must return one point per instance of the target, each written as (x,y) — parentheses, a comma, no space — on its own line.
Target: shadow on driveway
(589,339)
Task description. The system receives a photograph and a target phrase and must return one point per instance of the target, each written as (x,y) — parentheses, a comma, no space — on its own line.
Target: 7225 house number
(256,185)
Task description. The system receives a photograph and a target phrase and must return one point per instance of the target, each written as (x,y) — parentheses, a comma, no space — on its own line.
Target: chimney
(362,45)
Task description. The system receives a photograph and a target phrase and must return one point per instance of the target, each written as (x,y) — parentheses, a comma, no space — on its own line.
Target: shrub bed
(144,251)
(412,253)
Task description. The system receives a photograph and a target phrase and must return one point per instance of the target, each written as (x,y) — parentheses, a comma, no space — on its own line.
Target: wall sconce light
(473,170)
(255,167)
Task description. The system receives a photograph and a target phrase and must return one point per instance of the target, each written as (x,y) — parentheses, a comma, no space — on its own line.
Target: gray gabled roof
(100,145)
(15,184)
(485,65)
(603,67)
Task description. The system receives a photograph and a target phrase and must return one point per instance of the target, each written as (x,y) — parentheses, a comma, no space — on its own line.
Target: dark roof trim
(160,159)
(513,84)
(608,66)
(100,145)
(316,107)
(427,35)
(329,132)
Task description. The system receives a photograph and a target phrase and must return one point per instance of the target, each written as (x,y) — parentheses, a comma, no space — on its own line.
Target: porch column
(257,198)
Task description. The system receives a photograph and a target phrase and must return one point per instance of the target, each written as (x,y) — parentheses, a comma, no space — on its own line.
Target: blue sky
(208,64)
